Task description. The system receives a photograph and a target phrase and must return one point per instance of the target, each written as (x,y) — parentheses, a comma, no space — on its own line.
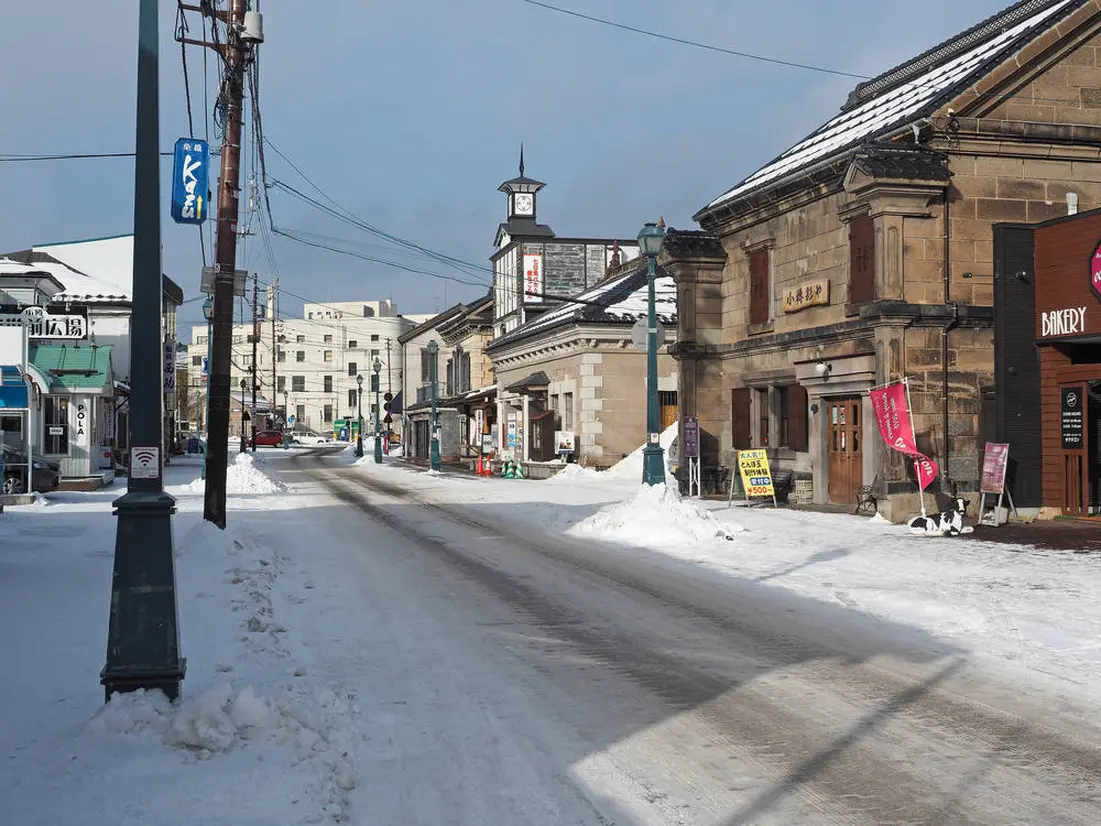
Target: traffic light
(387,397)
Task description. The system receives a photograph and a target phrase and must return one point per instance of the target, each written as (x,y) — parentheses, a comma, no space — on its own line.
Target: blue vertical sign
(190,181)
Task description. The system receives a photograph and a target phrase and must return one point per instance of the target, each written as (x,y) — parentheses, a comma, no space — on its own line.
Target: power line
(697,44)
(73,156)
(319,245)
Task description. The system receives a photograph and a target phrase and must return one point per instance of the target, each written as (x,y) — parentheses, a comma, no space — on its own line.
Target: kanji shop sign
(42,324)
(809,293)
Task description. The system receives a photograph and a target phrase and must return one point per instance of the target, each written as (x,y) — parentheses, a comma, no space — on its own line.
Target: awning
(538,379)
(483,395)
(71,369)
(13,390)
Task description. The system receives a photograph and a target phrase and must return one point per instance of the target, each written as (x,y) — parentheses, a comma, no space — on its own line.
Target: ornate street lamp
(143,639)
(359,431)
(434,450)
(650,239)
(377,367)
(208,314)
(244,417)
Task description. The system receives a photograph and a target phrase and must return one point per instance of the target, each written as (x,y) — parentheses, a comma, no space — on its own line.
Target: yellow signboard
(756,476)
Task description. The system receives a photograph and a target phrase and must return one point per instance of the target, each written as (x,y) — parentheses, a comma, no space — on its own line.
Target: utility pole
(273,291)
(255,342)
(243,31)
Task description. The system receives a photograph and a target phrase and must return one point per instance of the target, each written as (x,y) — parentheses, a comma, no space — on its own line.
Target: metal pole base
(653,465)
(434,455)
(143,638)
(359,447)
(378,449)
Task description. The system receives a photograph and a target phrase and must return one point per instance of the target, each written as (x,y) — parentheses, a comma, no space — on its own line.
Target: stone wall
(608,383)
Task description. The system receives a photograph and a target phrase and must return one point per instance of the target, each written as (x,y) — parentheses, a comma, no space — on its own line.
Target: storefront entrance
(1080,443)
(845,444)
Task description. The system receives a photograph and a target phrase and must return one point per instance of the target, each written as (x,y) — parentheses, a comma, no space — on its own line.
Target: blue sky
(411,112)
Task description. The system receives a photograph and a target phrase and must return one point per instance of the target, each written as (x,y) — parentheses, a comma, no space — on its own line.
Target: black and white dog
(949,523)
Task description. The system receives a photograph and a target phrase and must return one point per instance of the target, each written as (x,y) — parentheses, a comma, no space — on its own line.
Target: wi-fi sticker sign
(145,462)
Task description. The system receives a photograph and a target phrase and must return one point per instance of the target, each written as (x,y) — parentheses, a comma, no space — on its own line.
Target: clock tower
(521,192)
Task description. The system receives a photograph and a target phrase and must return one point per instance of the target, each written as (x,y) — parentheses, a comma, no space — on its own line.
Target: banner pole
(913,437)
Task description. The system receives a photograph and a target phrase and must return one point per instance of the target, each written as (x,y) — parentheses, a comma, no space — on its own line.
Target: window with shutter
(861,260)
(758,287)
(795,412)
(740,418)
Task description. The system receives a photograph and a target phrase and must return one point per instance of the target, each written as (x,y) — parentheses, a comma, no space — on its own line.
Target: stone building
(864,254)
(575,369)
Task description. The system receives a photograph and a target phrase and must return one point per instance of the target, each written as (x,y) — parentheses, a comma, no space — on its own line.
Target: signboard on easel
(995,462)
(756,475)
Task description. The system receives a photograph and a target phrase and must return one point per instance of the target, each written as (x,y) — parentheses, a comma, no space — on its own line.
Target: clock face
(524,203)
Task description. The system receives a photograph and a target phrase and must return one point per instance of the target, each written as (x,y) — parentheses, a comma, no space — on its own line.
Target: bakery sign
(43,324)
(803,294)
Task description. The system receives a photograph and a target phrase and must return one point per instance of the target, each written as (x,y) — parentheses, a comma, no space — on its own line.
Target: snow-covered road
(383,646)
(665,694)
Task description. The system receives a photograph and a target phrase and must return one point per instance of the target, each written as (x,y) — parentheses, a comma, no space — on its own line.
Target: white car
(311,439)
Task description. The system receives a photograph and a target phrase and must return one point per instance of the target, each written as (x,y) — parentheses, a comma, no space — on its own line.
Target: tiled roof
(908,92)
(901,162)
(692,243)
(622,299)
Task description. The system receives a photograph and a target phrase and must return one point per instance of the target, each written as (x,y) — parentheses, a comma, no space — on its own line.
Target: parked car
(268,438)
(309,437)
(46,475)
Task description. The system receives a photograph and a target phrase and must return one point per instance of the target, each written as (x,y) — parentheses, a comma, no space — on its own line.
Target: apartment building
(306,367)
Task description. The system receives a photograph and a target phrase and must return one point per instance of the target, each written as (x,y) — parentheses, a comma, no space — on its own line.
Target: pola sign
(190,181)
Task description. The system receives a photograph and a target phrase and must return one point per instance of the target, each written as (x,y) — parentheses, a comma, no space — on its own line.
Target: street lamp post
(286,422)
(359,415)
(650,239)
(244,417)
(208,314)
(143,638)
(434,439)
(375,380)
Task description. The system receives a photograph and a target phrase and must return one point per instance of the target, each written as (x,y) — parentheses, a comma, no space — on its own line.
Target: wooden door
(845,448)
(667,407)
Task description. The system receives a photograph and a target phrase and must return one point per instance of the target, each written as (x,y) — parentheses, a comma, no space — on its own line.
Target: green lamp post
(377,368)
(650,239)
(359,416)
(434,449)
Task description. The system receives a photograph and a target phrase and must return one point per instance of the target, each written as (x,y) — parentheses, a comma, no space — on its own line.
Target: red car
(268,438)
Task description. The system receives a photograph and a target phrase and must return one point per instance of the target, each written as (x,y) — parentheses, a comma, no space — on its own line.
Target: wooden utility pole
(255,342)
(233,52)
(273,291)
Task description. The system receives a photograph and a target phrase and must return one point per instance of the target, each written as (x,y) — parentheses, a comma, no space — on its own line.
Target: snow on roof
(9,267)
(621,299)
(894,107)
(99,269)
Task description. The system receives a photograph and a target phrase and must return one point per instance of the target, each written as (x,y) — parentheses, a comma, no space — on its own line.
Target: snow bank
(242,478)
(657,516)
(573,473)
(210,723)
(630,467)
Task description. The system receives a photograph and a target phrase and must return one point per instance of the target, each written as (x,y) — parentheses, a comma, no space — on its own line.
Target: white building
(81,375)
(310,363)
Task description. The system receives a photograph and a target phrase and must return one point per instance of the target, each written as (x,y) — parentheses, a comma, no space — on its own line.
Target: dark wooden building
(1047,285)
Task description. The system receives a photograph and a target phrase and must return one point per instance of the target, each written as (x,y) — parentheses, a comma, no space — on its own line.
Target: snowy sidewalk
(256,740)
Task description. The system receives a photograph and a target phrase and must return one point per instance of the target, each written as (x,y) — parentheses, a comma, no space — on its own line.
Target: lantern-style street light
(377,368)
(434,449)
(359,431)
(650,240)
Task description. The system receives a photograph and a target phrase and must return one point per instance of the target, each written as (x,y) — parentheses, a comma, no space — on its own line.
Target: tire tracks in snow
(836,772)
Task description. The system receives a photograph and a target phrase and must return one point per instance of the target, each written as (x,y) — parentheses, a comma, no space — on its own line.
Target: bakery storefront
(1048,367)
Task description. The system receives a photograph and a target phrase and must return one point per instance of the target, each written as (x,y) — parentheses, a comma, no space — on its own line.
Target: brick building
(864,254)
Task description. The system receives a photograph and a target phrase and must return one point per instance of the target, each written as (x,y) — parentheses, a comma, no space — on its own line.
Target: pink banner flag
(892,414)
